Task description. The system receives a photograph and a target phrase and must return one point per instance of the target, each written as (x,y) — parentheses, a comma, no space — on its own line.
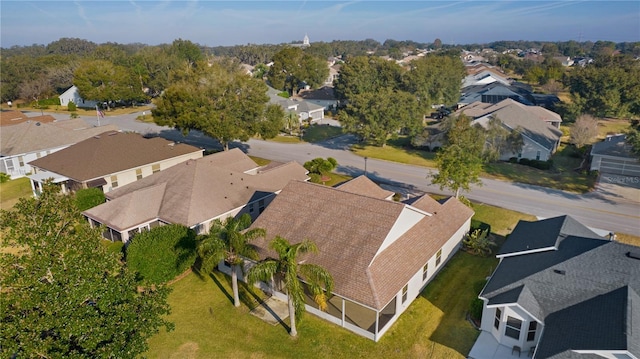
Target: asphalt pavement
(604,209)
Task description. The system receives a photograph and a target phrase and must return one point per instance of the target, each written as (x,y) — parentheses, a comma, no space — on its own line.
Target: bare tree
(583,130)
(35,89)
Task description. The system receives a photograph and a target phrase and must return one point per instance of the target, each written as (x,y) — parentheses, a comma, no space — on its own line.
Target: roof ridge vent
(559,271)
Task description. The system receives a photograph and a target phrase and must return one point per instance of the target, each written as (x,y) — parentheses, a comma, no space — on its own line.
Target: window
(251,208)
(9,164)
(531,334)
(496,321)
(139,173)
(405,290)
(513,328)
(155,168)
(425,271)
(438,257)
(538,155)
(21,160)
(114,181)
(260,206)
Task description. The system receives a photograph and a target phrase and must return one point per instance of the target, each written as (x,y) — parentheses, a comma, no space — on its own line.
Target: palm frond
(262,271)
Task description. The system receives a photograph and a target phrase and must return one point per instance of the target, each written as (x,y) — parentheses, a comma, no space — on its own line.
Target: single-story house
(537,126)
(109,160)
(193,193)
(72,94)
(304,109)
(562,291)
(324,96)
(614,155)
(381,253)
(25,139)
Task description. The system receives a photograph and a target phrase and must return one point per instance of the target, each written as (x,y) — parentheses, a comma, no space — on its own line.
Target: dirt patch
(187,350)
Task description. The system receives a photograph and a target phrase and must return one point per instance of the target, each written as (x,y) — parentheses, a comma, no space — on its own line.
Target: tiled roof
(354,236)
(194,191)
(31,135)
(571,290)
(110,152)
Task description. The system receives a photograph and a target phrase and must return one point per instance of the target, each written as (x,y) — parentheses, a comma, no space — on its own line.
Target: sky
(227,23)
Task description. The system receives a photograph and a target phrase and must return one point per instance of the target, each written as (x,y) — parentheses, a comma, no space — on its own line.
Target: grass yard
(397,150)
(612,126)
(319,133)
(13,190)
(207,325)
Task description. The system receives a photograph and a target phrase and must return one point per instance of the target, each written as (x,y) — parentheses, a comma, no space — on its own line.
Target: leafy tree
(88,197)
(229,241)
(63,294)
(187,51)
(100,80)
(478,242)
(162,253)
(460,162)
(633,139)
(378,116)
(290,271)
(363,74)
(320,165)
(435,80)
(499,140)
(221,101)
(583,130)
(292,66)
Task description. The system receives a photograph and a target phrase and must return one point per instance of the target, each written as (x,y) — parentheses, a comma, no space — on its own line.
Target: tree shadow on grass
(245,289)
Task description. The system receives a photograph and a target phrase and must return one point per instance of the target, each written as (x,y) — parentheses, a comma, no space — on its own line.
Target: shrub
(476,224)
(4,177)
(475,309)
(74,115)
(397,196)
(161,254)
(524,161)
(513,160)
(88,198)
(113,247)
(478,242)
(71,106)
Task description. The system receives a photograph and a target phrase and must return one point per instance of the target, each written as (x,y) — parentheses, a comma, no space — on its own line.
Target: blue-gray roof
(546,233)
(613,146)
(585,292)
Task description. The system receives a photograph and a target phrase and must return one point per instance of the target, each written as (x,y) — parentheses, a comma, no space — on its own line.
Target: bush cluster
(162,254)
(72,106)
(541,165)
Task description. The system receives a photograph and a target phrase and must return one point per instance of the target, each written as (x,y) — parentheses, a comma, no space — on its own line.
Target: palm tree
(290,272)
(227,241)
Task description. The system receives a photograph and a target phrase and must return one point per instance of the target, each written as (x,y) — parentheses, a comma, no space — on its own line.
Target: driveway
(619,186)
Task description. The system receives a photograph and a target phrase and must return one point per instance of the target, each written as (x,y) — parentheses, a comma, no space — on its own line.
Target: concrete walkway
(487,347)
(272,311)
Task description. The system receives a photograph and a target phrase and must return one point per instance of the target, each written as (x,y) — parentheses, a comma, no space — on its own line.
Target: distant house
(25,139)
(483,78)
(73,95)
(566,61)
(614,155)
(561,291)
(537,125)
(305,110)
(494,92)
(381,253)
(324,96)
(109,160)
(193,193)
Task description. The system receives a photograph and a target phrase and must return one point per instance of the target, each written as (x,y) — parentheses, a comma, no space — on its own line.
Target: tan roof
(12,117)
(350,229)
(110,152)
(364,186)
(31,136)
(478,109)
(194,191)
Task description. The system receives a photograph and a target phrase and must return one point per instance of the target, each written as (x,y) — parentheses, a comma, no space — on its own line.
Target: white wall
(21,171)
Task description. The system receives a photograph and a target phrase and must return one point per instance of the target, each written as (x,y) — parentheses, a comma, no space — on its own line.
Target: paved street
(601,209)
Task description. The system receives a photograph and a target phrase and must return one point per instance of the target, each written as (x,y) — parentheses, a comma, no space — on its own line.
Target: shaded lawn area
(319,133)
(434,326)
(565,173)
(398,150)
(611,126)
(13,190)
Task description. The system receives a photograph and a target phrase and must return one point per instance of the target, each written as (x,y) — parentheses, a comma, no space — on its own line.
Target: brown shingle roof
(31,136)
(194,191)
(110,152)
(12,117)
(364,186)
(350,229)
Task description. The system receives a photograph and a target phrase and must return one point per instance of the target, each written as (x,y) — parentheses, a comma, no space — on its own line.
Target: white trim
(538,250)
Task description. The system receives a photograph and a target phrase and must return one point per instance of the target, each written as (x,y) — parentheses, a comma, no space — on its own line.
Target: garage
(614,155)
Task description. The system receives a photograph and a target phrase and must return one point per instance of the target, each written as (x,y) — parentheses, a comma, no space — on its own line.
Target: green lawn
(318,133)
(13,190)
(434,326)
(397,150)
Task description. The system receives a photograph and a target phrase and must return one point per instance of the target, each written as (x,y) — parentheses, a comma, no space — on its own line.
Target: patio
(486,347)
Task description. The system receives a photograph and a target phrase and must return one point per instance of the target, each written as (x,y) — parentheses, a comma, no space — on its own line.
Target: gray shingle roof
(613,146)
(563,287)
(546,233)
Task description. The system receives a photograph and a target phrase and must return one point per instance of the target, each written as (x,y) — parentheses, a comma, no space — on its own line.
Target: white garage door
(620,166)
